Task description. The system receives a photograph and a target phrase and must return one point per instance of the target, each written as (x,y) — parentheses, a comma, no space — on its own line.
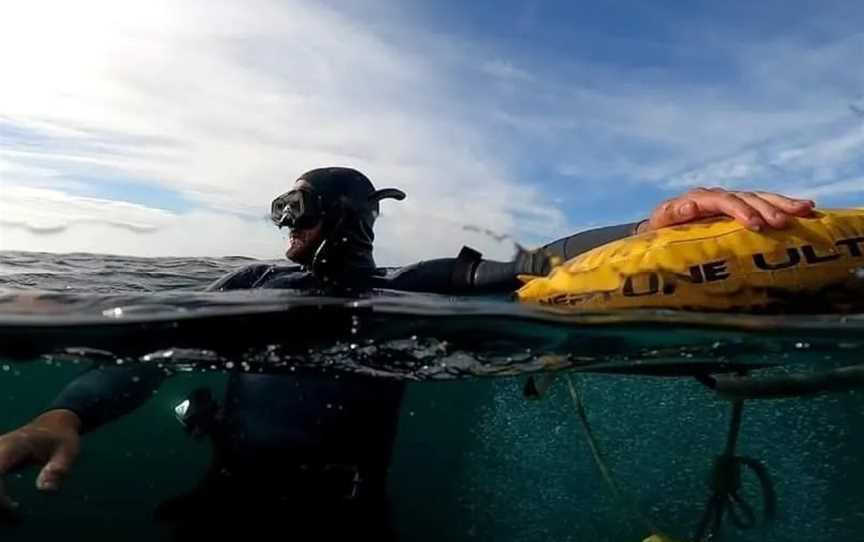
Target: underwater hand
(51,440)
(755,210)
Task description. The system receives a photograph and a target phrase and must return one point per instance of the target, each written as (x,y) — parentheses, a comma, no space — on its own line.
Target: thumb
(674,212)
(57,467)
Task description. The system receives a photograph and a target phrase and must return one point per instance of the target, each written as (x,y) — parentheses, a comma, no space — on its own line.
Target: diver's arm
(572,246)
(490,274)
(103,394)
(245,277)
(470,273)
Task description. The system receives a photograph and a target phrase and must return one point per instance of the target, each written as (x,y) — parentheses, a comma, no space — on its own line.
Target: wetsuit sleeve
(572,246)
(470,273)
(492,275)
(246,277)
(103,394)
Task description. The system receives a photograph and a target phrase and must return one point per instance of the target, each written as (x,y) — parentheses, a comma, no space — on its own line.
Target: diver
(305,452)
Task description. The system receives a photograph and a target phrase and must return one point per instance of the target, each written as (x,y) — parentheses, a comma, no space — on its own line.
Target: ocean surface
(518,423)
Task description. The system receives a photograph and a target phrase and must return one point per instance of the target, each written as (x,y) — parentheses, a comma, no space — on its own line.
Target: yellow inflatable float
(711,265)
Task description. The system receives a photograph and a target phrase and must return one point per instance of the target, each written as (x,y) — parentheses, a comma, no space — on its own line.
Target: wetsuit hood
(349,207)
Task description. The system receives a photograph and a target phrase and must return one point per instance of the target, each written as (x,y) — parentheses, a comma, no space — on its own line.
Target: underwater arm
(103,394)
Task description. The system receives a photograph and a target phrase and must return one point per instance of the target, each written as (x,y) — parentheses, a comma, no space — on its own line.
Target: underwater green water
(476,460)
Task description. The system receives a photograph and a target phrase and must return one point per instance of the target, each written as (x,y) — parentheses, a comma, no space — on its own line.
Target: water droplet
(136,379)
(329,405)
(119,362)
(229,365)
(411,413)
(6,368)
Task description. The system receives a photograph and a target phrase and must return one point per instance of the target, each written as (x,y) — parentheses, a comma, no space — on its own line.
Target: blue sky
(165,128)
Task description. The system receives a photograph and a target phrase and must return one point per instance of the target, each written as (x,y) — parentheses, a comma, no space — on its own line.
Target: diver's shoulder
(254,275)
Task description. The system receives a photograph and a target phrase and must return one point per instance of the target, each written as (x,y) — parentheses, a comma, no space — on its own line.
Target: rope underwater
(725,499)
(604,470)
(726,484)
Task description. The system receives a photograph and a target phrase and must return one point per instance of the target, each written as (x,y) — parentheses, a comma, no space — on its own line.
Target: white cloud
(828,154)
(780,107)
(51,220)
(837,188)
(227,103)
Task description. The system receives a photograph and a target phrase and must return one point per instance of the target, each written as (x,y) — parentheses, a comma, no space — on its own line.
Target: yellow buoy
(710,265)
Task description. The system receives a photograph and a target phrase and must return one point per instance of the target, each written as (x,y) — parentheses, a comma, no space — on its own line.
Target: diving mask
(302,208)
(296,209)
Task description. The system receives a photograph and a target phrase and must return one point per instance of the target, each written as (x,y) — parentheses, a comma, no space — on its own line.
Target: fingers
(11,454)
(673,211)
(755,210)
(10,457)
(58,467)
(770,213)
(792,206)
(714,203)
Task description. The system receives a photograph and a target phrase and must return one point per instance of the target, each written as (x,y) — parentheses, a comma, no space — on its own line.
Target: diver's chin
(300,252)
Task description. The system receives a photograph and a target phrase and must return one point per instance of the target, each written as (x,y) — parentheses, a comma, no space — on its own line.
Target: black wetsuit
(293,445)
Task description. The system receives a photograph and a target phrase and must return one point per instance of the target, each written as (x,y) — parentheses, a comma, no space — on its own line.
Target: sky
(166,127)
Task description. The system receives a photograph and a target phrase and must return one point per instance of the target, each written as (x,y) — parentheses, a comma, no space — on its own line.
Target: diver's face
(302,244)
